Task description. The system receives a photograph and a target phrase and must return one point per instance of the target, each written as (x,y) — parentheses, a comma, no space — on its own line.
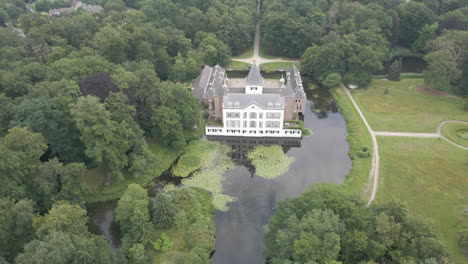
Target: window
(236,104)
(277,105)
(261,116)
(253,115)
(245,124)
(245,115)
(233,114)
(253,124)
(253,88)
(272,124)
(260,124)
(270,105)
(277,115)
(229,105)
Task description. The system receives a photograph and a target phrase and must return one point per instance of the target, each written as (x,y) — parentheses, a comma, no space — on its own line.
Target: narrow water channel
(322,157)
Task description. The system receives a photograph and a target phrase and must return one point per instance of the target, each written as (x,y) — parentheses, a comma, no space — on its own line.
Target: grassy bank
(456,132)
(358,178)
(407,108)
(274,66)
(429,175)
(238,66)
(96,179)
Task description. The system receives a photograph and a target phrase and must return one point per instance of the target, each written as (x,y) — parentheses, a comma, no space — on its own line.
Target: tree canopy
(328,224)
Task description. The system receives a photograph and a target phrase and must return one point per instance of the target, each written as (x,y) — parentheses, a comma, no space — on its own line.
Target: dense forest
(353,39)
(80,91)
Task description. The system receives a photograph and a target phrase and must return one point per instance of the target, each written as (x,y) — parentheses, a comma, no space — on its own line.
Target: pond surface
(322,157)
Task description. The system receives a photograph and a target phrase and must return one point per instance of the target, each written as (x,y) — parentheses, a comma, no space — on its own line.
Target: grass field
(358,178)
(430,176)
(246,54)
(95,178)
(404,109)
(238,66)
(274,66)
(457,133)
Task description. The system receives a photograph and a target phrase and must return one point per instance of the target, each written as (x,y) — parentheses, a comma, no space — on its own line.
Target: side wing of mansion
(251,107)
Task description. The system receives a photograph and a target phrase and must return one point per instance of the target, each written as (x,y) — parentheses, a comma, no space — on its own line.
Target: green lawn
(100,191)
(457,133)
(404,109)
(274,66)
(238,66)
(246,54)
(430,176)
(358,178)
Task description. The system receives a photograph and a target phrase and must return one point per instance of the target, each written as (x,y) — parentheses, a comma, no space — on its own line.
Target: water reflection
(102,222)
(319,158)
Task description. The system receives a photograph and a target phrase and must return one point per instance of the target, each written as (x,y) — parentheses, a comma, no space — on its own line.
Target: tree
(394,71)
(6,111)
(62,217)
(426,35)
(163,243)
(132,214)
(107,141)
(445,61)
(112,42)
(167,126)
(184,69)
(137,254)
(15,226)
(213,51)
(413,16)
(51,118)
(332,80)
(59,247)
(98,84)
(163,210)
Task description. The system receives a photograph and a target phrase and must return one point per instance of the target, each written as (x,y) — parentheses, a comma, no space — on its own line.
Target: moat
(322,157)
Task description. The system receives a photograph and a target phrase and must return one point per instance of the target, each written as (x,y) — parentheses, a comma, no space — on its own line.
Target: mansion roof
(214,83)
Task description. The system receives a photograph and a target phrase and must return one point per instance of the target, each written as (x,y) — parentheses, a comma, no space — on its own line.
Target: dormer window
(236,104)
(270,105)
(277,105)
(229,104)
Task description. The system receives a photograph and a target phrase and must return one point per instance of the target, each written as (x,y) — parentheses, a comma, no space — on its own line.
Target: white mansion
(251,107)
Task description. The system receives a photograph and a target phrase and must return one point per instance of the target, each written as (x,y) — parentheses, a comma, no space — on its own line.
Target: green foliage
(270,162)
(133,215)
(462,238)
(163,243)
(167,127)
(137,254)
(394,71)
(63,217)
(163,210)
(15,226)
(413,16)
(327,224)
(426,34)
(444,61)
(332,80)
(364,152)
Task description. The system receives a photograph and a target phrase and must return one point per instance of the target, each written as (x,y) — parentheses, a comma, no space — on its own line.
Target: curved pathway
(374,171)
(256,56)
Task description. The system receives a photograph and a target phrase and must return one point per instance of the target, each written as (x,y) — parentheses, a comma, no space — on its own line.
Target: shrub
(386,91)
(394,71)
(332,80)
(163,243)
(191,258)
(462,238)
(363,152)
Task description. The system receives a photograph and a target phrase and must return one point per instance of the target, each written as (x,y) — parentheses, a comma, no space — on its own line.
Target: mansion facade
(251,107)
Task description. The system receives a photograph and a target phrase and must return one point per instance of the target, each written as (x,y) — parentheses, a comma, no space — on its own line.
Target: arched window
(270,105)
(277,105)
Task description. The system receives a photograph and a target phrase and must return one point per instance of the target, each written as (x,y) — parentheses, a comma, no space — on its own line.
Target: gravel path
(374,171)
(256,56)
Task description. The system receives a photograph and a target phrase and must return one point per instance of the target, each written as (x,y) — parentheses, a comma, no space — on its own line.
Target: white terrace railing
(221,131)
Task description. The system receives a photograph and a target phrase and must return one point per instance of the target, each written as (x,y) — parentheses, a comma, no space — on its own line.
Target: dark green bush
(363,152)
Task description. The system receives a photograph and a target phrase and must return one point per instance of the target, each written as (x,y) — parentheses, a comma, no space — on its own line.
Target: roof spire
(254,77)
